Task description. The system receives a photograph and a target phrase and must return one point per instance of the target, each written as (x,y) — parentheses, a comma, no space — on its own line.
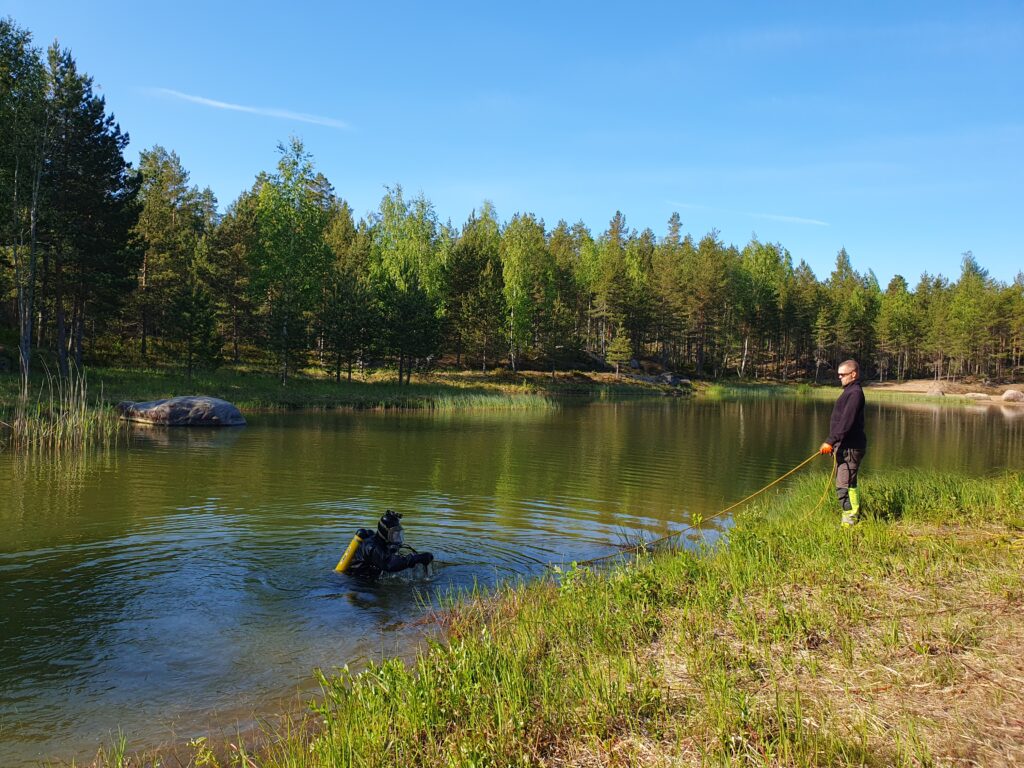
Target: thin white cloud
(302,117)
(791,219)
(769,216)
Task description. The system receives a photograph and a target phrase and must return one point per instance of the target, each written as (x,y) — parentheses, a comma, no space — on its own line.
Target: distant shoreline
(88,401)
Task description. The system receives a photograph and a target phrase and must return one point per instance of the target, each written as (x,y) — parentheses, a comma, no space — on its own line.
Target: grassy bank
(743,391)
(794,642)
(254,390)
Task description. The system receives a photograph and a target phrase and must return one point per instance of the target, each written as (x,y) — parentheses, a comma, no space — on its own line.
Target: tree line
(104,262)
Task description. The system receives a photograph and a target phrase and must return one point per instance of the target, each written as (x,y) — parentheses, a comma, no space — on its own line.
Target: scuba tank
(350,552)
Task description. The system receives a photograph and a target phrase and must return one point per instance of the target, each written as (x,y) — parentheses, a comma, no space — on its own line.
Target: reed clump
(61,416)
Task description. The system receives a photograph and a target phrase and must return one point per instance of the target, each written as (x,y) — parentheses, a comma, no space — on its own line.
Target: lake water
(186,582)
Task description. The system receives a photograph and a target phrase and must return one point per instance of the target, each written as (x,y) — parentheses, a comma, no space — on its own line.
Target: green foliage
(229,274)
(528,281)
(88,208)
(411,320)
(65,415)
(473,289)
(971,315)
(899,327)
(290,255)
(944,498)
(23,115)
(706,274)
(406,242)
(619,351)
(851,308)
(175,301)
(195,325)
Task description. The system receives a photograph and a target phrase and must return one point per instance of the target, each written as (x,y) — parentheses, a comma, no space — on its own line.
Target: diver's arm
(398,562)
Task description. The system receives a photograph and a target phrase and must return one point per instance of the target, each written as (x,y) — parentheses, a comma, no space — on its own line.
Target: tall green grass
(59,416)
(737,391)
(479,401)
(947,498)
(519,670)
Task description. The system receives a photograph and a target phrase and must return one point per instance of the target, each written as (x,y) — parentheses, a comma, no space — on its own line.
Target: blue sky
(895,130)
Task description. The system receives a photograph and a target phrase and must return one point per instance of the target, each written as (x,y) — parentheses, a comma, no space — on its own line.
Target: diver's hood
(390,529)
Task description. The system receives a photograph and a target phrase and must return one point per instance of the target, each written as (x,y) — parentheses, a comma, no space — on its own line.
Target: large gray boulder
(673,380)
(187,411)
(1013,396)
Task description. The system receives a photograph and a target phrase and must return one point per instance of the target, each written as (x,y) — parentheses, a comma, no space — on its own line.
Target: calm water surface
(186,582)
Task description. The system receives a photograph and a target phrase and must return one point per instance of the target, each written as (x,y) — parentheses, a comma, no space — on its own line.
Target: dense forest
(104,263)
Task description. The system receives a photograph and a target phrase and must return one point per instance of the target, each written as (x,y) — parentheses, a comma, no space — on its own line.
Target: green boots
(850,516)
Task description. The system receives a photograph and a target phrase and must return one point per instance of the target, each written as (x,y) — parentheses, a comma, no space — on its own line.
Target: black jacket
(375,555)
(846,428)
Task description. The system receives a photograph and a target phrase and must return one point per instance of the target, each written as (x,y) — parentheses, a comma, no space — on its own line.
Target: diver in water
(373,552)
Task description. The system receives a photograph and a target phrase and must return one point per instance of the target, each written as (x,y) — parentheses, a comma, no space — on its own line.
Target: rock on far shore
(1013,396)
(186,411)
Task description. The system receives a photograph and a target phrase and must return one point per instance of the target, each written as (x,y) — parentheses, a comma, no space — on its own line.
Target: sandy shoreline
(924,386)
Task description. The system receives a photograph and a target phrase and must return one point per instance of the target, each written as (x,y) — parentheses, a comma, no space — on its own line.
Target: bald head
(849,372)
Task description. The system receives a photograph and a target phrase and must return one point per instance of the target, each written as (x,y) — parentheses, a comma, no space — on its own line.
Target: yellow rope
(778,480)
(721,512)
(828,482)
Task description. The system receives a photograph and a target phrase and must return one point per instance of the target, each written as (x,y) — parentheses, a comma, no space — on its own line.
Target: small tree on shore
(620,349)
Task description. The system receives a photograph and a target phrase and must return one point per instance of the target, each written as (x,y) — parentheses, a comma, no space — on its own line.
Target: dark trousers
(847,463)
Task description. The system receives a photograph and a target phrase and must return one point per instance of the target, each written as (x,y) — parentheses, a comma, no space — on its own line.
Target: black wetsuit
(375,556)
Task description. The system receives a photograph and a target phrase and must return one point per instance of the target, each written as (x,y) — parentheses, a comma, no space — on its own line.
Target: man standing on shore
(847,439)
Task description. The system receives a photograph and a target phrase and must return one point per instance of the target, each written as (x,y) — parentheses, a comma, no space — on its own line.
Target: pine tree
(619,350)
(172,220)
(90,207)
(351,320)
(472,315)
(612,284)
(234,239)
(970,317)
(898,327)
